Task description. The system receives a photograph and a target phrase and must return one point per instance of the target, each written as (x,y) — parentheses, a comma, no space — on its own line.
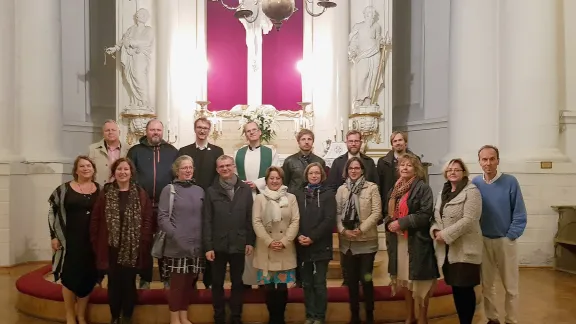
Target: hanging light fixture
(277,10)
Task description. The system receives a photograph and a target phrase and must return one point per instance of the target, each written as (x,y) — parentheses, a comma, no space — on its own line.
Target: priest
(251,164)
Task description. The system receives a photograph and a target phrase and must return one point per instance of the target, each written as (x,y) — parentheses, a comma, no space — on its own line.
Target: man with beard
(252,161)
(204,155)
(295,164)
(153,158)
(336,175)
(386,167)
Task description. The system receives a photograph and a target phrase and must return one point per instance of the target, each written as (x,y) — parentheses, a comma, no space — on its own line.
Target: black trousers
(236,261)
(359,269)
(276,299)
(465,302)
(207,275)
(122,291)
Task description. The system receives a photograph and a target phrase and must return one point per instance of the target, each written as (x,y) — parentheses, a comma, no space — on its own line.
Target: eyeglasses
(186,168)
(354,141)
(454,170)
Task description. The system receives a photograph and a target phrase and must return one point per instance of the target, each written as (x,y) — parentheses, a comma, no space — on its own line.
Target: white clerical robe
(252,169)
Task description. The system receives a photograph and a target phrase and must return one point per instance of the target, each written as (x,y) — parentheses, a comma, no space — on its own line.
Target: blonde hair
(416,164)
(465,171)
(178,161)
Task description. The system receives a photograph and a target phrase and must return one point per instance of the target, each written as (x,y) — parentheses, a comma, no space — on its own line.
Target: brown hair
(116,163)
(489,147)
(350,160)
(272,169)
(315,164)
(203,120)
(465,171)
(353,132)
(303,132)
(178,161)
(416,164)
(77,162)
(394,133)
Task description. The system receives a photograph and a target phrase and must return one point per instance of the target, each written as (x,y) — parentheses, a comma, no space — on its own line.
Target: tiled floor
(546,297)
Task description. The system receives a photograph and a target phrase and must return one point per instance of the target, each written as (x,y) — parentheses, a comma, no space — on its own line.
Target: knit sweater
(184,231)
(503,209)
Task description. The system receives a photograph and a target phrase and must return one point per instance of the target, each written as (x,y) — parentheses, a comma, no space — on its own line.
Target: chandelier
(277,10)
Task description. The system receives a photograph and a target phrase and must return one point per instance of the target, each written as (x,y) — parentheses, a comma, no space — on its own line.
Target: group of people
(271,226)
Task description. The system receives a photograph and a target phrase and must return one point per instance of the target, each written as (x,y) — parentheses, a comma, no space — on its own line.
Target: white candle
(341,124)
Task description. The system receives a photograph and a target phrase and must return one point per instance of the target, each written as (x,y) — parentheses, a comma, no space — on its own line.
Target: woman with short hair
(183,254)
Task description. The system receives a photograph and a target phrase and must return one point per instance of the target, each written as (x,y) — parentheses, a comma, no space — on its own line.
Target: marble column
(6,78)
(473,92)
(327,70)
(164,34)
(529,96)
(39,80)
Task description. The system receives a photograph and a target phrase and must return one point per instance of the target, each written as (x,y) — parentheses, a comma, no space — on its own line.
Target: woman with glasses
(411,261)
(358,209)
(458,238)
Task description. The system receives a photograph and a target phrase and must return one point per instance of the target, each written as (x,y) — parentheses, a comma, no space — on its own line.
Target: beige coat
(284,231)
(370,210)
(460,227)
(98,153)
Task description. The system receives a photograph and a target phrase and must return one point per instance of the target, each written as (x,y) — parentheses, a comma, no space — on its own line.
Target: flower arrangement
(264,118)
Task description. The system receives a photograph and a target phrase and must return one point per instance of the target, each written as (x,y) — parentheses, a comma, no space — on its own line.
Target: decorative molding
(423,125)
(80,127)
(567,117)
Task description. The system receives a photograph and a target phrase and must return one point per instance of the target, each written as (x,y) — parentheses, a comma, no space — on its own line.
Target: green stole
(265,161)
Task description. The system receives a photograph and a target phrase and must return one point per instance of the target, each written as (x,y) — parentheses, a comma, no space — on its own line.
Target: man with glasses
(228,236)
(336,176)
(204,155)
(252,161)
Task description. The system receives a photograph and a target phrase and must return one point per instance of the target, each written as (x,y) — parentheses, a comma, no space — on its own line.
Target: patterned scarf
(400,189)
(351,218)
(311,191)
(124,234)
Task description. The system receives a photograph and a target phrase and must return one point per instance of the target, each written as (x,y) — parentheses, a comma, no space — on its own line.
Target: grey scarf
(229,185)
(350,217)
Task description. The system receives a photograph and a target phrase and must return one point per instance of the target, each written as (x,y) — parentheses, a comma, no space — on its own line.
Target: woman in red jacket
(121,236)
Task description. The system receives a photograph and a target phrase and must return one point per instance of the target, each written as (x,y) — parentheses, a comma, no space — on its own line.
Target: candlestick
(341,124)
(342,131)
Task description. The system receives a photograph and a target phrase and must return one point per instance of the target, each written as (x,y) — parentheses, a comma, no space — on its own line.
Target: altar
(315,73)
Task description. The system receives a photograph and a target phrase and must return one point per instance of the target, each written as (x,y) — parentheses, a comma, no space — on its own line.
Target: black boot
(271,303)
(355,318)
(369,317)
(281,301)
(115,321)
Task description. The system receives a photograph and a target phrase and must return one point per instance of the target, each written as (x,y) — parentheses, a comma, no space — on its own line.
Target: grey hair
(224,157)
(178,161)
(109,121)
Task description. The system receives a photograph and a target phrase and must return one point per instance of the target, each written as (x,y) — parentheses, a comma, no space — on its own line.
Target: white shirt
(498,174)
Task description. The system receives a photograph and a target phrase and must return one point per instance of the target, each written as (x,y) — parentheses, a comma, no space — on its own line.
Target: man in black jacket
(353,143)
(295,164)
(386,168)
(227,235)
(153,158)
(204,155)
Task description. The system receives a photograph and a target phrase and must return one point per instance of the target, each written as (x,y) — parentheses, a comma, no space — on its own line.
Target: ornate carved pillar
(473,110)
(529,97)
(39,80)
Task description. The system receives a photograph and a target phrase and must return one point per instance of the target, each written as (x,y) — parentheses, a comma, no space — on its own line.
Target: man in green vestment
(252,161)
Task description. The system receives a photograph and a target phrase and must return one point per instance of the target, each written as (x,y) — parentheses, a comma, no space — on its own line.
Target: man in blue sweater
(503,221)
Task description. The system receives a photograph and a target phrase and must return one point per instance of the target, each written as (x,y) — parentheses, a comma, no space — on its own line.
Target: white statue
(364,50)
(255,25)
(135,55)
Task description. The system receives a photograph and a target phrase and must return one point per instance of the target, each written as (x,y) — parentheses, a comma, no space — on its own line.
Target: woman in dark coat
(69,220)
(317,205)
(121,235)
(412,262)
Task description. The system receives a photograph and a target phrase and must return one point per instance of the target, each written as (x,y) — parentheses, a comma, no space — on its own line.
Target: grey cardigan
(184,228)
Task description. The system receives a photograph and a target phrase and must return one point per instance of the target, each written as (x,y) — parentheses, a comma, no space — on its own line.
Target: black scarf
(448,194)
(184,183)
